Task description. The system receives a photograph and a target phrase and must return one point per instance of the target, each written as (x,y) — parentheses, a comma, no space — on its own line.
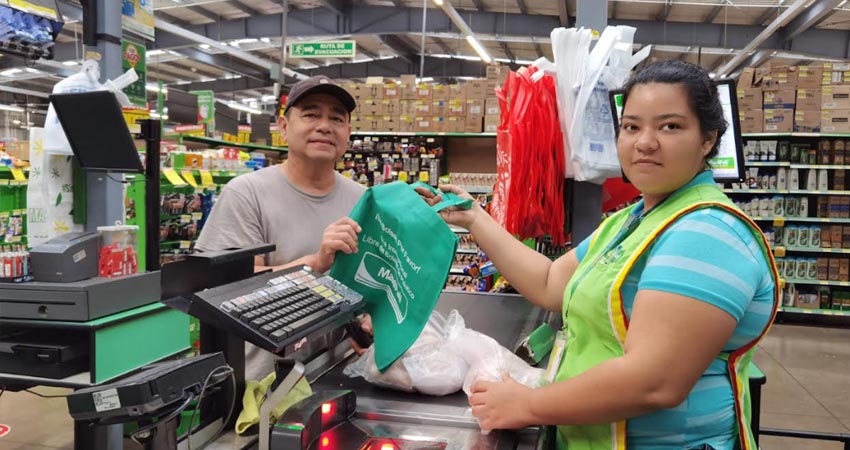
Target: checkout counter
(423,421)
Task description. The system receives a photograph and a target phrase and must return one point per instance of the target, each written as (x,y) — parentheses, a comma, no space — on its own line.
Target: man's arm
(340,236)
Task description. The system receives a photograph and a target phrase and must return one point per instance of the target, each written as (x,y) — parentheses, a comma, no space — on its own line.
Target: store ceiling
(389,38)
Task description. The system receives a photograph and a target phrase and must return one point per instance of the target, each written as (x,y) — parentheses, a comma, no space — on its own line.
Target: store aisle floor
(808,388)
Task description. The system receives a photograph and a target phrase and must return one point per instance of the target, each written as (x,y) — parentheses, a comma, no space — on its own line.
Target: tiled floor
(808,388)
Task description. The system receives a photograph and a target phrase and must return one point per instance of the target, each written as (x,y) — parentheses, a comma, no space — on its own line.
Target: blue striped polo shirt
(709,255)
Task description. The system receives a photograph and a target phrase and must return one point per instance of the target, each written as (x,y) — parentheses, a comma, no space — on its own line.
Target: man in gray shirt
(301,206)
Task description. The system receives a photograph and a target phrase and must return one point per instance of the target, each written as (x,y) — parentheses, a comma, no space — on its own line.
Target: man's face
(317,128)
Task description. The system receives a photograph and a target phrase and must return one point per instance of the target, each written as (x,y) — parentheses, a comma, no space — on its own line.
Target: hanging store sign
(137,17)
(326,49)
(133,57)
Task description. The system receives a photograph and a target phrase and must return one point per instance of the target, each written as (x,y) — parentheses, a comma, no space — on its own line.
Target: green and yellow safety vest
(595,318)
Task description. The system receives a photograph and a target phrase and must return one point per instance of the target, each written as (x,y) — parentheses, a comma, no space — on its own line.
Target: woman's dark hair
(702,93)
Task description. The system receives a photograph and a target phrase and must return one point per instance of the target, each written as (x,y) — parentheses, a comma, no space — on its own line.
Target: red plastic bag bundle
(528,199)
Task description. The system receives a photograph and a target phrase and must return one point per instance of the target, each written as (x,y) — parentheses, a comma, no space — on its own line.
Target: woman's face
(661,146)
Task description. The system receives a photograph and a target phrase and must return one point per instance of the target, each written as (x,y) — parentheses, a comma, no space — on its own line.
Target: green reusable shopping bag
(405,252)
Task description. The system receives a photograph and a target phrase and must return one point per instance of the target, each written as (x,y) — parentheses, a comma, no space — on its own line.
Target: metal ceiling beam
(225,63)
(29,92)
(613,8)
(434,67)
(337,6)
(563,13)
(222,86)
(523,8)
(539,49)
(788,15)
(811,17)
(402,48)
(479,5)
(445,47)
(665,11)
(204,12)
(508,53)
(770,12)
(245,9)
(70,10)
(176,20)
(715,12)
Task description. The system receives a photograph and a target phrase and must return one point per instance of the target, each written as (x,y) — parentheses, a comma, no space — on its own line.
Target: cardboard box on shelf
(835,97)
(830,78)
(749,98)
(19,149)
(390,124)
(807,121)
(807,301)
(474,107)
(809,99)
(758,76)
(491,107)
(392,91)
(439,124)
(374,123)
(390,107)
(835,121)
(408,79)
(809,77)
(752,121)
(440,108)
(440,92)
(405,124)
(408,91)
(845,214)
(491,124)
(473,124)
(368,108)
(780,79)
(423,124)
(456,92)
(407,107)
(783,98)
(373,91)
(476,90)
(456,108)
(780,120)
(844,269)
(834,268)
(454,124)
(423,92)
(421,108)
(745,80)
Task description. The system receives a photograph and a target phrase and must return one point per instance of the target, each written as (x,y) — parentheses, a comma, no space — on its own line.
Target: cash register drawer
(48,305)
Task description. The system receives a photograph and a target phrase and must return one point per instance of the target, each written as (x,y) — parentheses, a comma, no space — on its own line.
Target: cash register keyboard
(273,310)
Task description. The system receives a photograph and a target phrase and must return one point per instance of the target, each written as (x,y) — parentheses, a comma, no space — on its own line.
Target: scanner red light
(327,408)
(325,442)
(388,446)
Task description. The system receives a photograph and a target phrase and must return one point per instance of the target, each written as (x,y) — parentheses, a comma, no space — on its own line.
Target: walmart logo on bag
(377,273)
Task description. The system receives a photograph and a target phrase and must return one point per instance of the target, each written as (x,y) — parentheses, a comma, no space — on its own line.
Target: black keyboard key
(306,321)
(279,335)
(268,328)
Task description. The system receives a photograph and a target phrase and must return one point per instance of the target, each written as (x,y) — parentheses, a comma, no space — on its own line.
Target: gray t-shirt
(264,207)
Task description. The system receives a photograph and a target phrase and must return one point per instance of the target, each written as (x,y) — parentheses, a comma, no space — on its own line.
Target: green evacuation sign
(326,49)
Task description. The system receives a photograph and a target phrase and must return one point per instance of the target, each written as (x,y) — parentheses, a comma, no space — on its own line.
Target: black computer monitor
(97,131)
(227,120)
(261,127)
(728,165)
(182,106)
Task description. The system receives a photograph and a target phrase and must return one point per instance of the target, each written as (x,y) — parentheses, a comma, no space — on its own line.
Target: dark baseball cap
(319,84)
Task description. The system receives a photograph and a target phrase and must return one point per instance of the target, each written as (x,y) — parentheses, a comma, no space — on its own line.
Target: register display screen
(728,165)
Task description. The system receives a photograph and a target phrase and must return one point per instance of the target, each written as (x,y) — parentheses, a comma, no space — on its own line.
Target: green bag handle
(449,198)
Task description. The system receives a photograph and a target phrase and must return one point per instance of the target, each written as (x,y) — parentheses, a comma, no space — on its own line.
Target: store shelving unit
(213,143)
(13,198)
(805,285)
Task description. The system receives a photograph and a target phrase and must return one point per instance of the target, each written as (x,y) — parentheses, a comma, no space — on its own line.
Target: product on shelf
(118,251)
(14,264)
(374,160)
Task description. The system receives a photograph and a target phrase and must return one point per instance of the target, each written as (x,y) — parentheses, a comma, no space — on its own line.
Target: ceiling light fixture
(10,72)
(155,52)
(243,108)
(478,48)
(11,108)
(70,63)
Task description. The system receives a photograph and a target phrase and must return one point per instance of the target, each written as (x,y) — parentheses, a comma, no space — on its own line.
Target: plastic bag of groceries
(445,358)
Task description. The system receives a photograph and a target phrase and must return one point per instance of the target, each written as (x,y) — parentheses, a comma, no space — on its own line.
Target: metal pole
(105,196)
(422,49)
(587,197)
(283,15)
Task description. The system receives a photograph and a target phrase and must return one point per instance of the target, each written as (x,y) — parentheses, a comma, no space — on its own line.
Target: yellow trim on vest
(620,325)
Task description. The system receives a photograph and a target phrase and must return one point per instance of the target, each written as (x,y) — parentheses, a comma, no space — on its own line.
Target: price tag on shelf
(779,221)
(404,141)
(782,283)
(779,252)
(429,140)
(185,244)
(172,177)
(197,215)
(206,178)
(402,176)
(424,177)
(13,239)
(185,218)
(18,174)
(4,182)
(385,155)
(189,177)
